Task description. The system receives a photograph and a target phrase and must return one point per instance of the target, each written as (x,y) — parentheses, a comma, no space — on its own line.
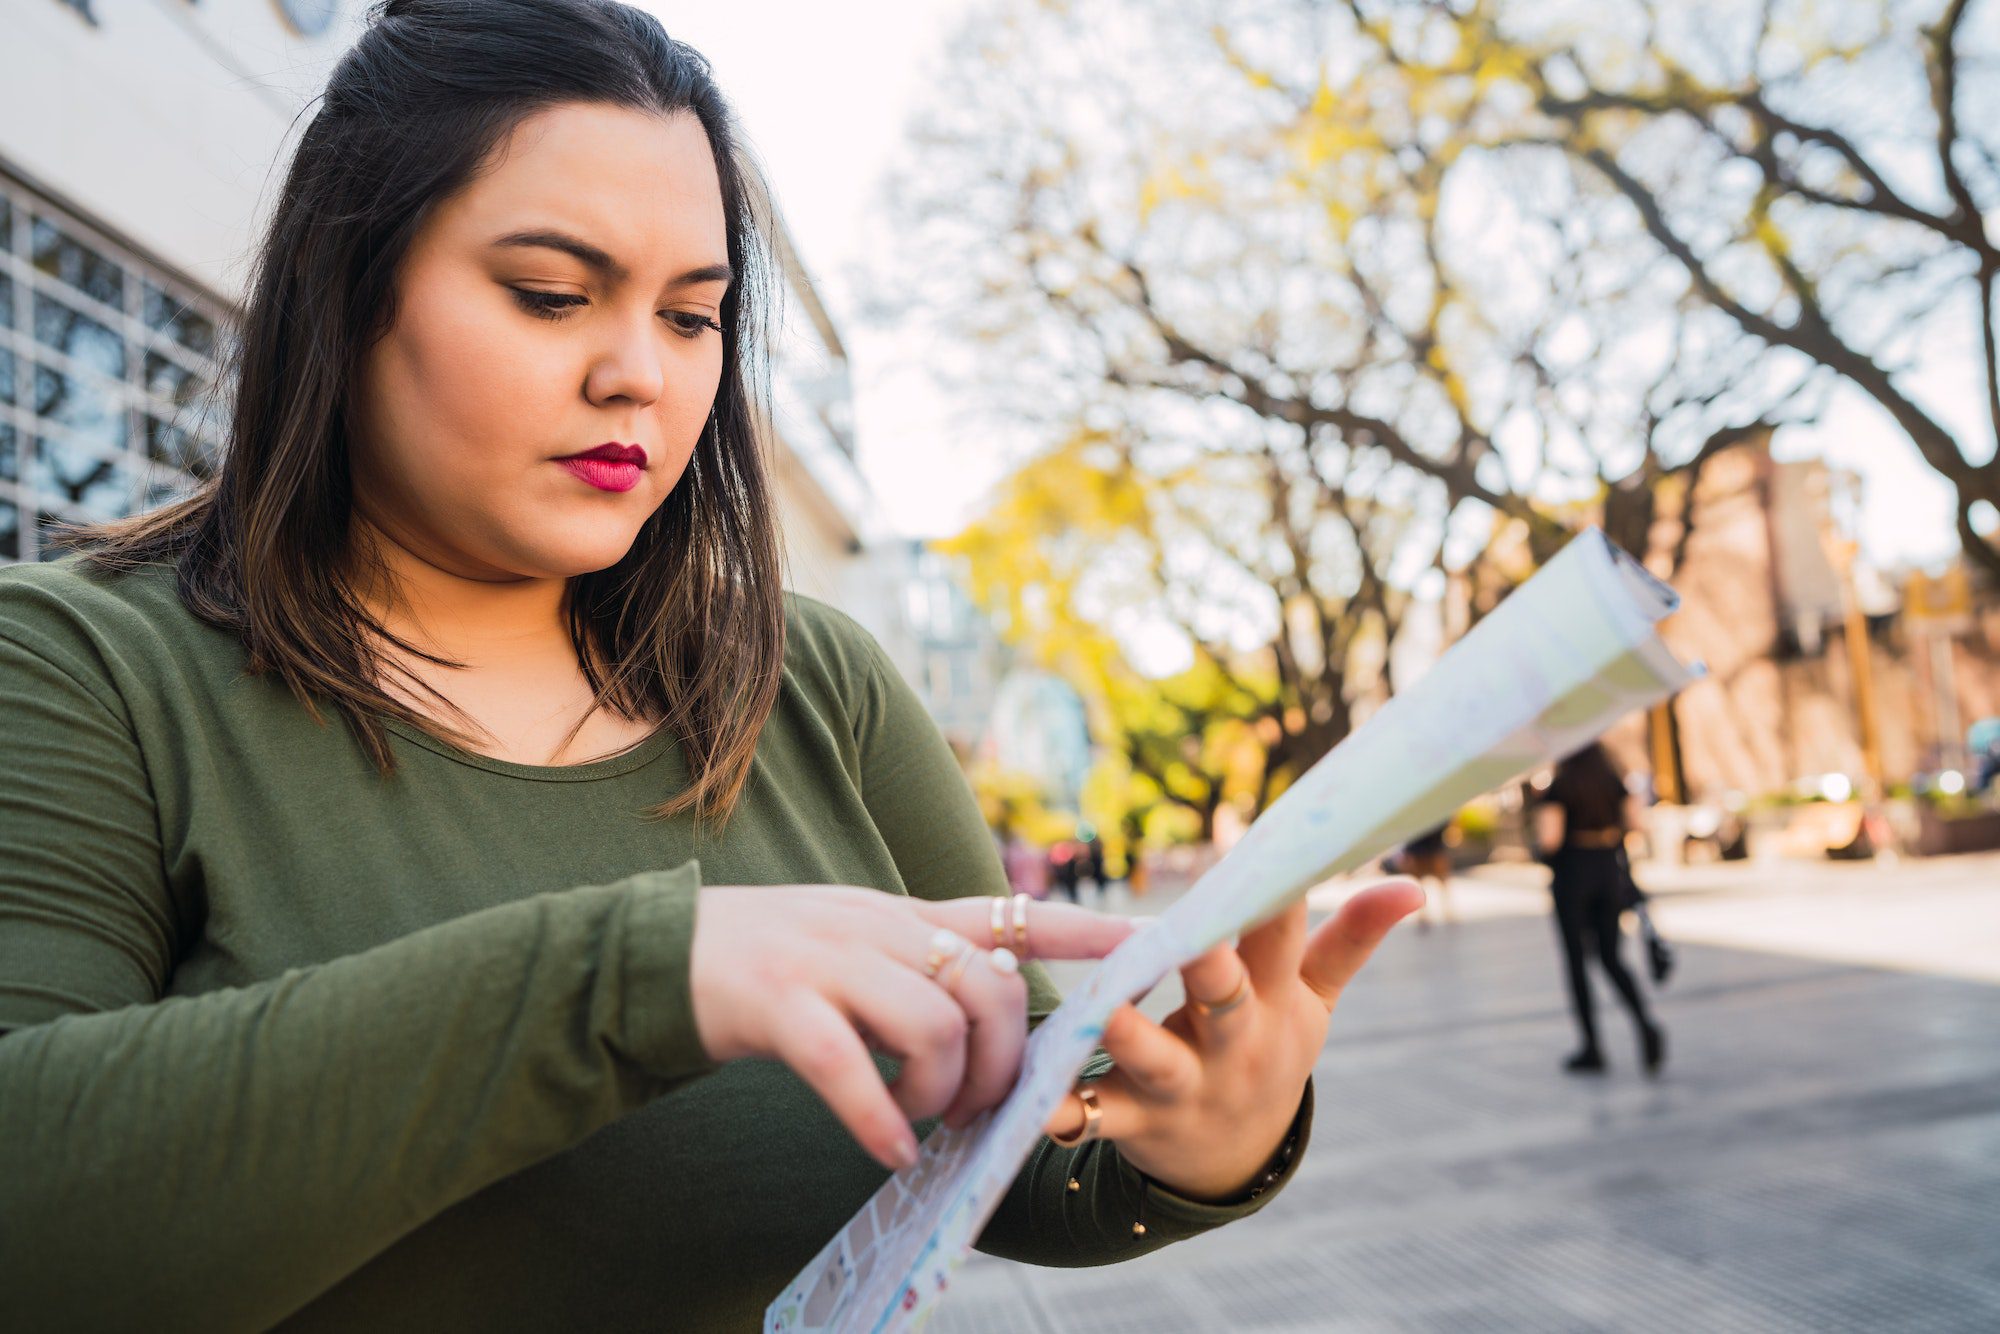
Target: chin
(596,547)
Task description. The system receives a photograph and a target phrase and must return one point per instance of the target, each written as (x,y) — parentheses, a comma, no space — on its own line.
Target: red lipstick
(609,467)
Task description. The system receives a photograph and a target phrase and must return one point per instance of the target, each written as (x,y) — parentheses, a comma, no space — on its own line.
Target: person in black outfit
(1579,829)
(1066,868)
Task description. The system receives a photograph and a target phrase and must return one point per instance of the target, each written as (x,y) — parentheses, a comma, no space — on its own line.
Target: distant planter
(1807,829)
(1467,853)
(1939,834)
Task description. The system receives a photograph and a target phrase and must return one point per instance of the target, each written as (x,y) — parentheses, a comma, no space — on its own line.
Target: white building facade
(141,142)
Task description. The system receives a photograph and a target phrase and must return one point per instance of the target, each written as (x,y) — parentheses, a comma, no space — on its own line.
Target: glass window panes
(49,530)
(158,490)
(98,484)
(171,316)
(167,443)
(87,406)
(108,370)
(170,380)
(63,257)
(72,332)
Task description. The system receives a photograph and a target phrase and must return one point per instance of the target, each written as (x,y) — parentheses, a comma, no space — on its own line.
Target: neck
(480,618)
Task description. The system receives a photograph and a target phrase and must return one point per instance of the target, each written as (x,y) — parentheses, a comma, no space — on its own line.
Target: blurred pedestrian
(1983,741)
(1579,828)
(1091,867)
(1427,860)
(1065,868)
(1027,868)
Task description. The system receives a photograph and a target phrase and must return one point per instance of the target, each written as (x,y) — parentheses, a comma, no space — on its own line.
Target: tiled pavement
(1823,1153)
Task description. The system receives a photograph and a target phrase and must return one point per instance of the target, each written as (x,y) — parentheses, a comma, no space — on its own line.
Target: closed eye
(691,323)
(548,305)
(558,305)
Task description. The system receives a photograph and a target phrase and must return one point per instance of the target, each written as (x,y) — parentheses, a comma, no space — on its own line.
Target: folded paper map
(1562,658)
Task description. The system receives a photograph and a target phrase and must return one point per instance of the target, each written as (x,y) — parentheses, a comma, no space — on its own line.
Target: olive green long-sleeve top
(286,1042)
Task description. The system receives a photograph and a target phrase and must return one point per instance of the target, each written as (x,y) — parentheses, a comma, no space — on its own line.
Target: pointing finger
(1339,948)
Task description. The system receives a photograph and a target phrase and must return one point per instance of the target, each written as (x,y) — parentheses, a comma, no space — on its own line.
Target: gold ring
(955,970)
(945,946)
(1216,1009)
(998,921)
(1093,1118)
(1021,925)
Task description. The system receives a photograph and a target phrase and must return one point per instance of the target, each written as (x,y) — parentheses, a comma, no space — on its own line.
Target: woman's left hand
(1201,1102)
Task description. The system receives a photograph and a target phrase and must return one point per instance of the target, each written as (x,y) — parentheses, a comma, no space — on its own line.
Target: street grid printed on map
(1561,659)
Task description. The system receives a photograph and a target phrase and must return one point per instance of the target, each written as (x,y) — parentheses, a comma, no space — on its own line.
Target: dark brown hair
(689,625)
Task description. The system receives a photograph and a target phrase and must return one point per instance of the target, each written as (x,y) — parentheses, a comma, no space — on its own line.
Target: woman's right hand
(818,975)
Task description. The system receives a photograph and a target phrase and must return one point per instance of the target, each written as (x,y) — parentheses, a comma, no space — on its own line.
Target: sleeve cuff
(1180,1215)
(658,1030)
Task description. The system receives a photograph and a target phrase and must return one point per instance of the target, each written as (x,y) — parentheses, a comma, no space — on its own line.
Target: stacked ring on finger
(954,971)
(1216,1009)
(1093,1120)
(947,947)
(1012,937)
(951,954)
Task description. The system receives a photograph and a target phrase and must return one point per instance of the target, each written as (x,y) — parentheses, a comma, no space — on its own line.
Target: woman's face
(564,300)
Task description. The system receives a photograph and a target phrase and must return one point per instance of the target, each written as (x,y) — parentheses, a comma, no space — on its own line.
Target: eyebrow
(602,262)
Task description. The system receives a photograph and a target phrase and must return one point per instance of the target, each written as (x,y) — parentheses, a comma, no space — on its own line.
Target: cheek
(680,418)
(472,389)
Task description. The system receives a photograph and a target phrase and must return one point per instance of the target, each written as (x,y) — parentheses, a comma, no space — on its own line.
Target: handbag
(1659,954)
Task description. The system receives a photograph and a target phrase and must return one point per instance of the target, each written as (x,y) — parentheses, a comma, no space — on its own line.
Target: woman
(444,883)
(1580,825)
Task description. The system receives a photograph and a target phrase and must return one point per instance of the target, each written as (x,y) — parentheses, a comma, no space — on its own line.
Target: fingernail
(905,1153)
(1003,962)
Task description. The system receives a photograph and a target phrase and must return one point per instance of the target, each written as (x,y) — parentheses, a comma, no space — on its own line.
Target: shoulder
(840,671)
(92,625)
(52,596)
(827,645)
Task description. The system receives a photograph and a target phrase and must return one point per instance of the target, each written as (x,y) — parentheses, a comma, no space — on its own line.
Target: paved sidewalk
(1932,914)
(1823,1152)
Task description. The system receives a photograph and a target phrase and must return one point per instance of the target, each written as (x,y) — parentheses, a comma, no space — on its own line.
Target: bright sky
(824,91)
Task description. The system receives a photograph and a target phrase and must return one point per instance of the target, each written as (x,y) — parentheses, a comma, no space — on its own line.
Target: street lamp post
(1860,667)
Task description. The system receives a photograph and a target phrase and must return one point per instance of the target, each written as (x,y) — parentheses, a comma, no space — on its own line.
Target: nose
(628,370)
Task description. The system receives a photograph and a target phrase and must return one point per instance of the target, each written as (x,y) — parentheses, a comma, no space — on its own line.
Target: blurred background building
(946,646)
(1772,595)
(1039,731)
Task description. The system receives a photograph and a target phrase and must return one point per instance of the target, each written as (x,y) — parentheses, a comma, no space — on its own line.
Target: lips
(610,467)
(613,453)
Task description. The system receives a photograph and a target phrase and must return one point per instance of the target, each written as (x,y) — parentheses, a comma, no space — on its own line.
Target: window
(108,377)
